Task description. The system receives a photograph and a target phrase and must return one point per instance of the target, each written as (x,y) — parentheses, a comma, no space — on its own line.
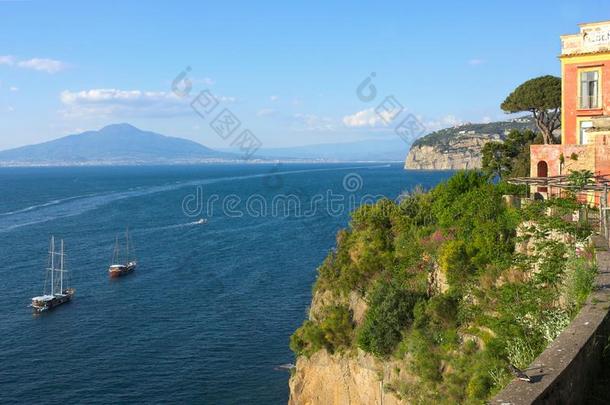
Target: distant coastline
(188,163)
(126,145)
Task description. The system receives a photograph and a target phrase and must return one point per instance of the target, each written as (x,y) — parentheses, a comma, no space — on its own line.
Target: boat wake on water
(76,205)
(284,367)
(43,205)
(202,221)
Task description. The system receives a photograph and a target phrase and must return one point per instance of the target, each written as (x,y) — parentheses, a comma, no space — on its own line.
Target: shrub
(425,363)
(448,196)
(337,327)
(307,339)
(578,281)
(442,310)
(552,261)
(521,352)
(390,311)
(455,262)
(479,386)
(335,332)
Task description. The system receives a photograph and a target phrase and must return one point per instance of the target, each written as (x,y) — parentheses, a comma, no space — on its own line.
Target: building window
(582,130)
(589,89)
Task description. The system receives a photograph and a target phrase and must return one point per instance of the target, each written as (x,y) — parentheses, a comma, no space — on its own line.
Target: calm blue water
(207,315)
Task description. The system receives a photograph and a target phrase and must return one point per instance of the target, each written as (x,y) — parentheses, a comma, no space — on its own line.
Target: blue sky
(289,71)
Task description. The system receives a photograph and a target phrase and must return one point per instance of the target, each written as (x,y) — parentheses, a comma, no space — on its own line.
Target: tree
(510,158)
(542,97)
(497,160)
(579,179)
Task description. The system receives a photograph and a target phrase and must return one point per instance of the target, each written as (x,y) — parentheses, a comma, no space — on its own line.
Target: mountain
(460,147)
(113,144)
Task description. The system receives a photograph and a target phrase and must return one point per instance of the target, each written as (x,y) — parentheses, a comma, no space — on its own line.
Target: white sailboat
(57,294)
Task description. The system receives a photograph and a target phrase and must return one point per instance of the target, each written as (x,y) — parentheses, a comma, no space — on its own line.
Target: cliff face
(343,379)
(460,147)
(415,303)
(459,153)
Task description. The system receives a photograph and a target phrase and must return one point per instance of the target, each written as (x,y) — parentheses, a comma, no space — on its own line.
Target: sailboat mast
(116,258)
(61,274)
(52,252)
(127,245)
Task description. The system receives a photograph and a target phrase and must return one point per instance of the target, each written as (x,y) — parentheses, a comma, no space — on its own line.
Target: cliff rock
(460,147)
(325,379)
(460,153)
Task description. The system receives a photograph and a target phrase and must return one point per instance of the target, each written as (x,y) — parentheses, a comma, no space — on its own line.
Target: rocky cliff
(459,153)
(459,147)
(433,299)
(352,377)
(344,379)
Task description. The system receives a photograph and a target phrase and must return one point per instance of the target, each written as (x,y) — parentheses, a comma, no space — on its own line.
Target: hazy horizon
(289,73)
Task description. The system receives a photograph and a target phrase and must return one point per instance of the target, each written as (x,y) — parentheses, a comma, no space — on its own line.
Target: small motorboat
(202,221)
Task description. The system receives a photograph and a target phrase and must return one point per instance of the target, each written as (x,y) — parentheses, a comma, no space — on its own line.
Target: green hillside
(443,136)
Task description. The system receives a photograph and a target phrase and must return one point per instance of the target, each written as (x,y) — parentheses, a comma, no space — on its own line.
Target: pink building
(585,110)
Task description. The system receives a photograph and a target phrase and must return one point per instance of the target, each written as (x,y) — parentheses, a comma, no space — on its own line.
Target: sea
(207,315)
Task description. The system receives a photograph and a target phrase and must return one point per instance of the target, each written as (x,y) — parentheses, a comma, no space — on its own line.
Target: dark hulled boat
(118,268)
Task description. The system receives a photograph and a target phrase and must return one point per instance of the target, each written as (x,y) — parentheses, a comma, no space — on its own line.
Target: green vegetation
(457,286)
(391,310)
(580,179)
(334,333)
(442,137)
(510,158)
(542,97)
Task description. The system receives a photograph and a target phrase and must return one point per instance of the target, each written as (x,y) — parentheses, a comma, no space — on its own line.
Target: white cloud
(13,88)
(446,121)
(104,95)
(274,98)
(452,120)
(10,108)
(367,118)
(486,120)
(476,62)
(127,103)
(7,60)
(263,112)
(372,121)
(43,65)
(40,64)
(116,102)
